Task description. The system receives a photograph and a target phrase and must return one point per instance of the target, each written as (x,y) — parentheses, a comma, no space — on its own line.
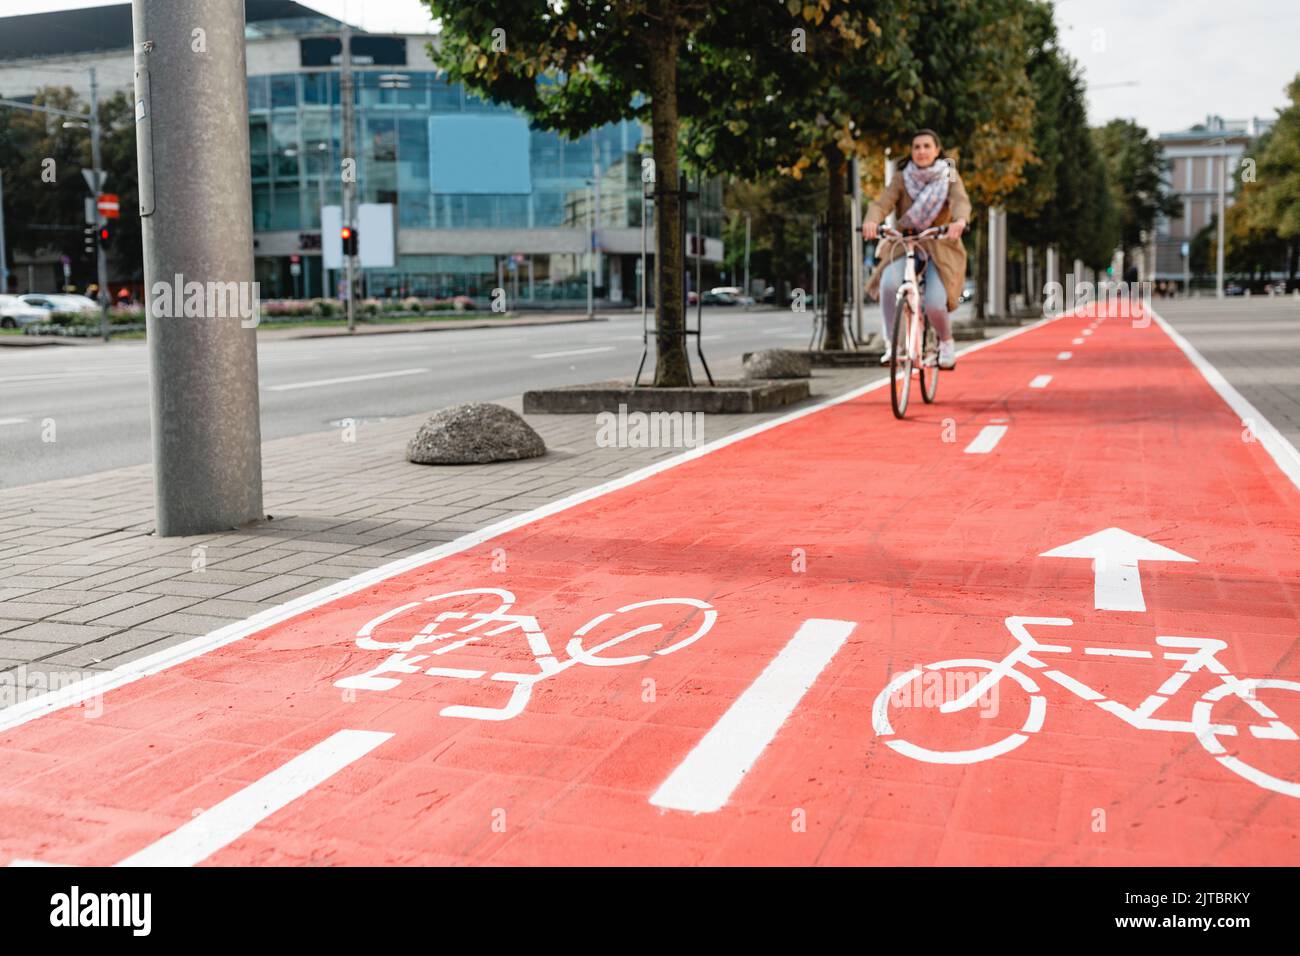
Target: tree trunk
(672,365)
(837,228)
(980,269)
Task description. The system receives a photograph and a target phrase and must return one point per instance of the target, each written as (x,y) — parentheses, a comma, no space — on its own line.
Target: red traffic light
(347,232)
(349,241)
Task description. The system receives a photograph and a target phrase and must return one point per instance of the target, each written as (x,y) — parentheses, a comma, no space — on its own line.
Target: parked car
(15,313)
(60,302)
(733,292)
(1232,288)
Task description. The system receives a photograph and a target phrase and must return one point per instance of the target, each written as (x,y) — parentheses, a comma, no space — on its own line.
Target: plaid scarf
(928,189)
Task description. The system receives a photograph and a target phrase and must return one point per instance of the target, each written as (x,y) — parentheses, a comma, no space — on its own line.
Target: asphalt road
(97,398)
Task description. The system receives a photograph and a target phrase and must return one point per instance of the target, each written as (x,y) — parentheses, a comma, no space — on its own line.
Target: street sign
(109,206)
(1187,249)
(96,184)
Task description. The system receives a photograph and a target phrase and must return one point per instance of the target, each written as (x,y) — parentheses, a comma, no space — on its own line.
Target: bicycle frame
(911,286)
(1202,657)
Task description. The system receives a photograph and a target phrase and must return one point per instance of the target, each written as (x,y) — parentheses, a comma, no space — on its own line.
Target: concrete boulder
(473,434)
(777,363)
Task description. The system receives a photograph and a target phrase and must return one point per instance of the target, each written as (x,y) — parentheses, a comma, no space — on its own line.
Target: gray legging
(936,297)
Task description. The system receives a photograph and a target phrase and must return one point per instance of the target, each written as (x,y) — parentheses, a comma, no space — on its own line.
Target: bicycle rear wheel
(929,362)
(900,363)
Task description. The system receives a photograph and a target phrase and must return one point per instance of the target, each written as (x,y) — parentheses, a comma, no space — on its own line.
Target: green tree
(579,65)
(44,190)
(1270,192)
(1135,167)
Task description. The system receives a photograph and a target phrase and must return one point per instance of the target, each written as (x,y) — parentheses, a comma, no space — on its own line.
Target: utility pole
(4,260)
(101,258)
(855,249)
(349,184)
(747,218)
(1218,259)
(196,214)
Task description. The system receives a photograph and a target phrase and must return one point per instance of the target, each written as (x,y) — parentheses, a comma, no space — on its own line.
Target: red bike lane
(715,640)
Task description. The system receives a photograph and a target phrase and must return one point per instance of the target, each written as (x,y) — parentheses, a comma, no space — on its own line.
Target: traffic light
(105,235)
(349,241)
(90,237)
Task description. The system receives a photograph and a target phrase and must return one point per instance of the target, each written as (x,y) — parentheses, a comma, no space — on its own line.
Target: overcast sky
(1180,59)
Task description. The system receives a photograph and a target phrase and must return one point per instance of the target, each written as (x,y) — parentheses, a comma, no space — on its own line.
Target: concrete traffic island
(474,433)
(722,398)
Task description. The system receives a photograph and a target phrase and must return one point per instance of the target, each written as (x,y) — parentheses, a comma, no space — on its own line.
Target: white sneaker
(888,355)
(947,354)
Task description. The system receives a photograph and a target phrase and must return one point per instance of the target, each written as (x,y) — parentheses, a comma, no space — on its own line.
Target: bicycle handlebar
(890,232)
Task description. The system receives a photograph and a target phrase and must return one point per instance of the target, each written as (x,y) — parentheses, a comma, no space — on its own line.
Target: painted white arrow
(1115,554)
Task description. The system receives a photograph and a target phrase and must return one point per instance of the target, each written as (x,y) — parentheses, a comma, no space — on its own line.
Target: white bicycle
(444,623)
(916,343)
(1195,653)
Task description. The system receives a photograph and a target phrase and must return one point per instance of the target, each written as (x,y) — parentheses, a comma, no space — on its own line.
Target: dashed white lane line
(1087,331)
(986,440)
(339,381)
(1065,356)
(567,353)
(705,780)
(1040,381)
(12,421)
(1076,341)
(195,841)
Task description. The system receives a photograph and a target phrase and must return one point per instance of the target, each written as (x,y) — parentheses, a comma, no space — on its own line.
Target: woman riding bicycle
(927,192)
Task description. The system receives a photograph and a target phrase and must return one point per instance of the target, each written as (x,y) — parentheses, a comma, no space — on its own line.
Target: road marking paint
(567,353)
(1276,444)
(1086,332)
(705,780)
(12,421)
(1065,356)
(1116,555)
(986,440)
(79,691)
(1040,381)
(230,819)
(349,378)
(1076,341)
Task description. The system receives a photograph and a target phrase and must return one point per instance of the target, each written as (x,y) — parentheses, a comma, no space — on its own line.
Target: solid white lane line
(12,421)
(195,841)
(1065,356)
(1274,442)
(349,378)
(705,780)
(1040,381)
(986,440)
(566,354)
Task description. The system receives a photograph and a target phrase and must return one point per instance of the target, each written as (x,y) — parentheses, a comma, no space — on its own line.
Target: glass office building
(454,235)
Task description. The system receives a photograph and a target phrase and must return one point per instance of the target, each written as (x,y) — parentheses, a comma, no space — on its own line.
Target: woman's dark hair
(930,133)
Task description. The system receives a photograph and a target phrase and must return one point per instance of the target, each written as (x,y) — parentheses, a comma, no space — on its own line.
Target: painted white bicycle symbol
(450,630)
(1198,654)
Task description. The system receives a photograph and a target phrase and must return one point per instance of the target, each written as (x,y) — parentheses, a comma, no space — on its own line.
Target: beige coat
(949,255)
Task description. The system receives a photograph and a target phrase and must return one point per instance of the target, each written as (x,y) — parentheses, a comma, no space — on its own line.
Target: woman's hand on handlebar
(956,228)
(870,230)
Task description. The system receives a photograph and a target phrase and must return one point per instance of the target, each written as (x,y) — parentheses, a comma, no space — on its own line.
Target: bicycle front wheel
(929,363)
(900,364)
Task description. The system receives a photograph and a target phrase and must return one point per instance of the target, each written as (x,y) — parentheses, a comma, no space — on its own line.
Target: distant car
(60,302)
(1233,288)
(734,293)
(15,313)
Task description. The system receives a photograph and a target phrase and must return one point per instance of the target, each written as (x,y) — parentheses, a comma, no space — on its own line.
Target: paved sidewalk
(84,585)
